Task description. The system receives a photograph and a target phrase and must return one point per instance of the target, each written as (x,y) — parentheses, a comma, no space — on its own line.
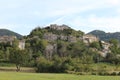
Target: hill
(55,32)
(105,36)
(9,33)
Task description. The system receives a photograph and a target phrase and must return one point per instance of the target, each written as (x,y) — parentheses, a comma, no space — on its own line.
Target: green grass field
(45,76)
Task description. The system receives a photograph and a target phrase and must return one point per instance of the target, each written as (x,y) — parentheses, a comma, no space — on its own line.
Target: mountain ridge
(8,32)
(102,35)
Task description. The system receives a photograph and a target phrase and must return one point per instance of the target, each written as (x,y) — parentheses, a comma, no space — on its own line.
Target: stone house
(21,44)
(6,39)
(11,39)
(58,27)
(89,38)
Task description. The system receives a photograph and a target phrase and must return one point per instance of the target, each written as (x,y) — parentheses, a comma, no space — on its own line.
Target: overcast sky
(24,15)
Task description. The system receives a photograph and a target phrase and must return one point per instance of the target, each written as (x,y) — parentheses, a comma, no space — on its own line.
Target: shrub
(93,73)
(119,73)
(114,74)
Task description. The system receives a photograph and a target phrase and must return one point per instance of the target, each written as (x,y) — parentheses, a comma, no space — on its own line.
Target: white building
(21,44)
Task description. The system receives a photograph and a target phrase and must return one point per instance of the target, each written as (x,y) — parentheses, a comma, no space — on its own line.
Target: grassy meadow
(47,76)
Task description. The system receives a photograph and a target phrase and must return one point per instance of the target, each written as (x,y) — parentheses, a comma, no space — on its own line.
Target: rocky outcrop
(62,37)
(72,39)
(53,37)
(50,36)
(50,50)
(105,49)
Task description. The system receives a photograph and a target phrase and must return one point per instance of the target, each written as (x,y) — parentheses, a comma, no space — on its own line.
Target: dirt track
(13,69)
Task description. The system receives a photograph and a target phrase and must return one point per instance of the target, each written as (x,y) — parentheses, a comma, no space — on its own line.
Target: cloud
(79,14)
(93,22)
(113,2)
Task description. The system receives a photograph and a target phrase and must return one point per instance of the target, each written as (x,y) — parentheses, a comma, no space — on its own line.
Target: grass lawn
(45,76)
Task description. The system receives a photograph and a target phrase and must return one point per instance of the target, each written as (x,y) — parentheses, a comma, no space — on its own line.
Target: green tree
(96,45)
(17,57)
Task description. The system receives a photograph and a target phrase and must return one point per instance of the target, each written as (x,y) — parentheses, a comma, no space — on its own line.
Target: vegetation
(9,33)
(33,76)
(63,51)
(105,36)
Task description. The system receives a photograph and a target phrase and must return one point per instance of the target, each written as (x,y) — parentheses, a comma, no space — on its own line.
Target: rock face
(50,50)
(50,36)
(62,37)
(106,49)
(53,37)
(72,39)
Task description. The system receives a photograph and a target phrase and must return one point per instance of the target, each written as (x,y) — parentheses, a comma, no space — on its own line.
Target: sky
(22,16)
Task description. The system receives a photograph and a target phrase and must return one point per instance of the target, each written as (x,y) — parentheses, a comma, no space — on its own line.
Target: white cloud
(81,14)
(92,22)
(113,2)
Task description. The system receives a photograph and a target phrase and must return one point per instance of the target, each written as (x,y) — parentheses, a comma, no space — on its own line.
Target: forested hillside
(105,36)
(6,32)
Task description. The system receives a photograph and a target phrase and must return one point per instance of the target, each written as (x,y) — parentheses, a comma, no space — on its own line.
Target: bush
(54,66)
(106,73)
(101,73)
(93,73)
(113,74)
(44,65)
(119,73)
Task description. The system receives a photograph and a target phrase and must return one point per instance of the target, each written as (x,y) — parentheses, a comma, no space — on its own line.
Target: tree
(17,57)
(43,65)
(77,49)
(95,45)
(115,48)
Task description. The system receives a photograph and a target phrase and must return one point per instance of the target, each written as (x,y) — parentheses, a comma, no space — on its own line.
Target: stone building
(11,39)
(89,38)
(58,27)
(21,44)
(5,39)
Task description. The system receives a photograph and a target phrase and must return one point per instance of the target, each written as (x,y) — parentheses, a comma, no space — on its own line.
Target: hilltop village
(59,49)
(86,38)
